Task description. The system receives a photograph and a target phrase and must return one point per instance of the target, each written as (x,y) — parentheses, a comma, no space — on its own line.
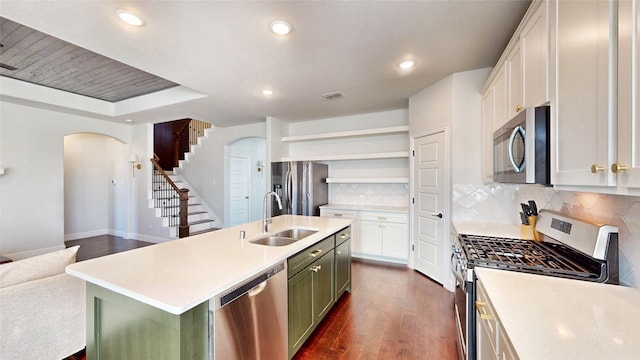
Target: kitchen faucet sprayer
(265,221)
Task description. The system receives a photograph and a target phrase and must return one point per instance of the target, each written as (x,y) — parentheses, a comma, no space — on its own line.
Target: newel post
(183,229)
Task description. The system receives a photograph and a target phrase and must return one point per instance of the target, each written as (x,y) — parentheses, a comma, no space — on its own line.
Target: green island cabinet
(317,277)
(119,327)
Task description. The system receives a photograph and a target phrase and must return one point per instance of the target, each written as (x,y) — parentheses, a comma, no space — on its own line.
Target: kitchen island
(162,291)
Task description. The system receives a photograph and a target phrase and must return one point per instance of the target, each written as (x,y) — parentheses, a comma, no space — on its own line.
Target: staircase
(167,207)
(166,200)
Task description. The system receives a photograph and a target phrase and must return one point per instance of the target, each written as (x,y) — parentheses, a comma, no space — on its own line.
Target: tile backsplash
(369,194)
(499,203)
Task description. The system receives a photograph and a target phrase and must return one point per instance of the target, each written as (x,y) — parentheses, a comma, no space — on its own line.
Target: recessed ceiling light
(407,64)
(280,27)
(267,92)
(128,120)
(129,18)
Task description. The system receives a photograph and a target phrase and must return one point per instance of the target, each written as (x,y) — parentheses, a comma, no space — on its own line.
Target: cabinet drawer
(382,216)
(309,255)
(486,315)
(343,235)
(337,213)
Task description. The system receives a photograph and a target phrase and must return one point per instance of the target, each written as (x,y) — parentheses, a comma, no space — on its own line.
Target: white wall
(96,186)
(32,190)
(205,170)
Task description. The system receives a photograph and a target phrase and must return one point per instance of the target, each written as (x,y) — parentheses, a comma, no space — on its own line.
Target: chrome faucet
(265,221)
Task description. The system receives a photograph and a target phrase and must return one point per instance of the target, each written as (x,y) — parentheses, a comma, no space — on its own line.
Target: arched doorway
(97,179)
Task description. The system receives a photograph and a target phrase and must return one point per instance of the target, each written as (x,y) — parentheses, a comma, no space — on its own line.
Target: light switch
(1,171)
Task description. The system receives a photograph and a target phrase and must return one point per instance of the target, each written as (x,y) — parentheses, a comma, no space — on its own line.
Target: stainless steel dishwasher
(249,321)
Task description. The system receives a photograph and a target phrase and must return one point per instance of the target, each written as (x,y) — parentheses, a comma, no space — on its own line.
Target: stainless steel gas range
(570,248)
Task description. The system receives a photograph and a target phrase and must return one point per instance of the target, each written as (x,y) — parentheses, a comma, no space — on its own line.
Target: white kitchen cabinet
(346,214)
(500,101)
(384,234)
(583,45)
(534,45)
(492,342)
(487,135)
(515,81)
(627,164)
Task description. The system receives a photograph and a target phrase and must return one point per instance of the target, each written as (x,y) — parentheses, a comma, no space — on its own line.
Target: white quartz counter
(553,318)
(177,275)
(402,209)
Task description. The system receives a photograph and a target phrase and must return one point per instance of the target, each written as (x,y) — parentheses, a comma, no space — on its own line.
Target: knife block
(528,232)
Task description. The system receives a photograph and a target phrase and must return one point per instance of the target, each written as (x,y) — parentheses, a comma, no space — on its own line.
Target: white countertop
(487,229)
(402,209)
(178,275)
(553,318)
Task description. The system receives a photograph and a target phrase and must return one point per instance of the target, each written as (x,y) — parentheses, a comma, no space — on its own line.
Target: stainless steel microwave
(521,148)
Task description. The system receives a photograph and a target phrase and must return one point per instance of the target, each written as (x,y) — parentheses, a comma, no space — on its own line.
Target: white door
(429,189)
(238,190)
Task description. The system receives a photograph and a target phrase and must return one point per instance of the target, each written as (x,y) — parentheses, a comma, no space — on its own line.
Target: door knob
(595,168)
(439,215)
(616,168)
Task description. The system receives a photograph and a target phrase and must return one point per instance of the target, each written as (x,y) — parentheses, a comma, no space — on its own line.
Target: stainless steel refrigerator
(302,186)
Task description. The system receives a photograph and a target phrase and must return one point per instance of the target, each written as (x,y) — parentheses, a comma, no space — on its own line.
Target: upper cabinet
(519,79)
(583,45)
(627,164)
(596,53)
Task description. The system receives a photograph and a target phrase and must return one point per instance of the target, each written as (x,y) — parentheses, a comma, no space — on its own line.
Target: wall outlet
(150,227)
(1,171)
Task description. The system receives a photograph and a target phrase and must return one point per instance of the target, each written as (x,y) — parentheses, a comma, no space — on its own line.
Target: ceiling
(35,57)
(223,53)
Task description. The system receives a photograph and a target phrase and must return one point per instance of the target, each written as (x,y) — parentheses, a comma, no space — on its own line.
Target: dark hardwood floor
(102,245)
(392,312)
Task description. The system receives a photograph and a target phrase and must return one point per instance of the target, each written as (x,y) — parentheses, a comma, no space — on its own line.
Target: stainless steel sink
(283,238)
(296,233)
(273,241)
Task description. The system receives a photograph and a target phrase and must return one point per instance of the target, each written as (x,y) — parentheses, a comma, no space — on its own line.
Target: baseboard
(87,234)
(148,238)
(31,253)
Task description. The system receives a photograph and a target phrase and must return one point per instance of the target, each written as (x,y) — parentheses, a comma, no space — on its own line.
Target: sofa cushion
(37,267)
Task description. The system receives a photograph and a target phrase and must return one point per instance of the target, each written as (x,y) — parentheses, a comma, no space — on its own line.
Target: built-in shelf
(395,180)
(386,155)
(351,133)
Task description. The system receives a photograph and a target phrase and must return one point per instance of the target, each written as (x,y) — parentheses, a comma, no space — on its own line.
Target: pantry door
(429,209)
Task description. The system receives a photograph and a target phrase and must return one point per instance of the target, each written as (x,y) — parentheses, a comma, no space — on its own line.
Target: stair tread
(191,213)
(191,233)
(177,206)
(201,222)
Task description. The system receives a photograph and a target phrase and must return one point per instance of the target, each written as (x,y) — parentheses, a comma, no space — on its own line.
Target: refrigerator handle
(287,191)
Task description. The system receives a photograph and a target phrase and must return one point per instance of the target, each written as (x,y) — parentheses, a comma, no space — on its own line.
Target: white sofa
(42,309)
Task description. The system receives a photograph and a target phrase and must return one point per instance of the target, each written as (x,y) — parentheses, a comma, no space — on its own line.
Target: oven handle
(455,272)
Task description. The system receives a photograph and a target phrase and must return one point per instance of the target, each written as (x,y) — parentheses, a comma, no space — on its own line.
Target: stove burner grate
(528,256)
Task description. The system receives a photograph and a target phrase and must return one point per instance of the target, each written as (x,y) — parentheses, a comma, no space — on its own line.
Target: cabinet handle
(518,108)
(483,316)
(595,168)
(616,168)
(316,253)
(316,268)
(337,215)
(382,218)
(343,236)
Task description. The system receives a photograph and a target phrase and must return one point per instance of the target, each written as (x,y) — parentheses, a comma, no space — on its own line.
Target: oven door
(463,300)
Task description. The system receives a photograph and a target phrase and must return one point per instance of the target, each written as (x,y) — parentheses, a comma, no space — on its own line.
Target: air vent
(333,95)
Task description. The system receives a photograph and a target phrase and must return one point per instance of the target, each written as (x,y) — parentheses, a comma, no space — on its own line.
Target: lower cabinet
(318,276)
(385,235)
(492,341)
